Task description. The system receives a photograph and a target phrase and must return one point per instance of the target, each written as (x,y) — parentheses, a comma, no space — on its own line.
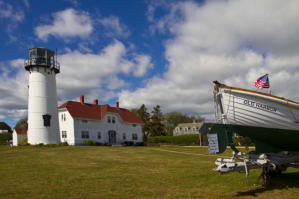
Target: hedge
(5,137)
(178,140)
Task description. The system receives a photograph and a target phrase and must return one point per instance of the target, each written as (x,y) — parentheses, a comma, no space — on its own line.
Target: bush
(5,137)
(140,144)
(193,139)
(99,144)
(63,144)
(23,142)
(128,143)
(89,143)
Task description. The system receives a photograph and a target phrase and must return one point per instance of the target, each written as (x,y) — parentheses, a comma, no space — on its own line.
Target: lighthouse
(43,125)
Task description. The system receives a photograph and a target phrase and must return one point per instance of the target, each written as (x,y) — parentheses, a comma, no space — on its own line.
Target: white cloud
(143,64)
(225,41)
(114,28)
(88,73)
(66,24)
(11,13)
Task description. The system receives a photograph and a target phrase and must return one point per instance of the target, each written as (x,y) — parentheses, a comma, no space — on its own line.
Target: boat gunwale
(260,93)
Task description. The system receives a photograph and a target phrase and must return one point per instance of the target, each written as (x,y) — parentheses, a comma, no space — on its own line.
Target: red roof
(97,112)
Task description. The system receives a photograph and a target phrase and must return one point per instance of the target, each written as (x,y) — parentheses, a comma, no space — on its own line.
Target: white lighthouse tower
(42,101)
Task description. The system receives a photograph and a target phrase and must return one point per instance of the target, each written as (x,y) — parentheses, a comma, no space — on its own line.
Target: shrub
(51,145)
(99,144)
(89,143)
(140,144)
(128,143)
(5,137)
(23,142)
(63,144)
(192,139)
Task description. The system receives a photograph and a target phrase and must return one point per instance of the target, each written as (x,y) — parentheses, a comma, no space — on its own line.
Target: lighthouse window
(47,119)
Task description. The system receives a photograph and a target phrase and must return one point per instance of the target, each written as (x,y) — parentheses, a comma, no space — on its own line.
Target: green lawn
(128,172)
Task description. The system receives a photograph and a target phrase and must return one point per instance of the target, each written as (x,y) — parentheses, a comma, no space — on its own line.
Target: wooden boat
(271,122)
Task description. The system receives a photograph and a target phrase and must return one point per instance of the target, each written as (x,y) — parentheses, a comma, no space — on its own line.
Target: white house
(80,121)
(190,128)
(18,135)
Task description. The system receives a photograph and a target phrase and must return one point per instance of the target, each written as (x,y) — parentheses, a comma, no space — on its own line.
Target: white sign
(213,143)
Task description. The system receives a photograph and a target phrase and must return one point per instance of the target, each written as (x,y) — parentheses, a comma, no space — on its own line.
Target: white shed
(18,135)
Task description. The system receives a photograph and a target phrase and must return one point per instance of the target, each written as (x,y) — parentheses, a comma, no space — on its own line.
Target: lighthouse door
(112,137)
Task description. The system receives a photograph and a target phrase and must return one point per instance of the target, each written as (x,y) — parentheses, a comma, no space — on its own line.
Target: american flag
(262,82)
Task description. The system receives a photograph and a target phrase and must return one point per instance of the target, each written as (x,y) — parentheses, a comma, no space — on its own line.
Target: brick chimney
(117,104)
(95,102)
(82,99)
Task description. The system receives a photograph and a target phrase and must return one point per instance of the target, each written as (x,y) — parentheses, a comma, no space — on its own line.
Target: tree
(4,126)
(22,124)
(145,117)
(157,128)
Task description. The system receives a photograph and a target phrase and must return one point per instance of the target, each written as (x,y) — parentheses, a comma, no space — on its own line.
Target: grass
(129,172)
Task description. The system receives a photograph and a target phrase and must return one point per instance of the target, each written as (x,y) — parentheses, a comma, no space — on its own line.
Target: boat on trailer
(271,122)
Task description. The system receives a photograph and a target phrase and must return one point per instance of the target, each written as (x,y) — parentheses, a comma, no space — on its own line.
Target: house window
(109,119)
(47,120)
(124,136)
(134,125)
(177,129)
(186,129)
(99,135)
(63,134)
(84,134)
(193,129)
(84,121)
(64,117)
(134,136)
(113,120)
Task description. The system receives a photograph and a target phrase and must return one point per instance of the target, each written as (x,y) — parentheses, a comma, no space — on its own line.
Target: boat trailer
(271,163)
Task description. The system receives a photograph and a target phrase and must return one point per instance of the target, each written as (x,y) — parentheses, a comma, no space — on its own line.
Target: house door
(112,137)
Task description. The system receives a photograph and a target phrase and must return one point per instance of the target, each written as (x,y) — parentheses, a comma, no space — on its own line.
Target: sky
(149,52)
